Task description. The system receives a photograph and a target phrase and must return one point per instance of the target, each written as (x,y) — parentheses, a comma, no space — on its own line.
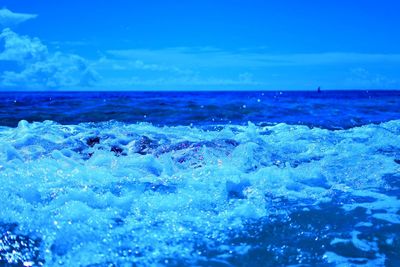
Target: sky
(199,45)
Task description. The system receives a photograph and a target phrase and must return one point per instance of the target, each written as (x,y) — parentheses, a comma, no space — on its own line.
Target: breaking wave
(94,194)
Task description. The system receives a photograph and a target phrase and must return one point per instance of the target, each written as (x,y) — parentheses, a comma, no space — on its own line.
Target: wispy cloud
(363,78)
(215,58)
(244,68)
(135,64)
(9,18)
(241,79)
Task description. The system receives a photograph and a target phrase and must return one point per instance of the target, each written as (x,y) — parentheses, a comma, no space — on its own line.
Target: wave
(111,192)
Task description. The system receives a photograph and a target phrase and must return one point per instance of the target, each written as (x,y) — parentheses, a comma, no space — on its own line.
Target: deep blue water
(200,178)
(329,109)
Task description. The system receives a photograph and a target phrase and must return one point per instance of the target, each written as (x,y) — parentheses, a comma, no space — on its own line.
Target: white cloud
(127,64)
(9,18)
(215,58)
(363,78)
(243,68)
(21,48)
(181,81)
(38,68)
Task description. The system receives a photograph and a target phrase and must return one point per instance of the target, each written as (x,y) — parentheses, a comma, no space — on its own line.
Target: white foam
(83,200)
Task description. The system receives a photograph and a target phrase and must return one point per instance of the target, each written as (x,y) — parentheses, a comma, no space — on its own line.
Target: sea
(277,178)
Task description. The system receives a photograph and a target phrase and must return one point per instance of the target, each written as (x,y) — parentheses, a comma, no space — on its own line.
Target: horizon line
(197,91)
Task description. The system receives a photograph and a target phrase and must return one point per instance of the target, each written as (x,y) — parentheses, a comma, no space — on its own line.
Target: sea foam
(101,193)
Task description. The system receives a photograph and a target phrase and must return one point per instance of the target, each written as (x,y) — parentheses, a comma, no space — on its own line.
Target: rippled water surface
(200,179)
(329,109)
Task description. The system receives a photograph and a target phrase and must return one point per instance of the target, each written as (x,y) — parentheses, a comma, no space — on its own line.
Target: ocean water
(200,179)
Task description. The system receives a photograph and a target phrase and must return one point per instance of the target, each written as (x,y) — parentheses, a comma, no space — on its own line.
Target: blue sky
(199,45)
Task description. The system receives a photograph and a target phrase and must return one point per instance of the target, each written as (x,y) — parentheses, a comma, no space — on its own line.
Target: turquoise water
(200,179)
